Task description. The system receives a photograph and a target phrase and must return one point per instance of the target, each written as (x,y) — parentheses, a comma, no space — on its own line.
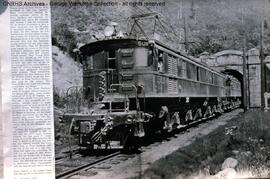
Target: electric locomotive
(141,86)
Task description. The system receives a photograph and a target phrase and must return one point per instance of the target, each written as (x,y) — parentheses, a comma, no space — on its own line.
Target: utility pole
(186,35)
(244,75)
(182,16)
(245,80)
(262,66)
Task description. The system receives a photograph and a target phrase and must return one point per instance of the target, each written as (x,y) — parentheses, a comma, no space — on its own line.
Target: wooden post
(69,137)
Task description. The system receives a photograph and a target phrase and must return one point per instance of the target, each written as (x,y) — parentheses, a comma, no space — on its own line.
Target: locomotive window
(98,61)
(191,71)
(204,75)
(209,77)
(112,54)
(112,64)
(215,77)
(111,59)
(160,61)
(188,71)
(89,63)
(182,68)
(198,74)
(220,81)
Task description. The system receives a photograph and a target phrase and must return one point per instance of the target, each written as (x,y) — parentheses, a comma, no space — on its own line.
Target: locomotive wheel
(219,108)
(198,114)
(163,111)
(213,111)
(176,121)
(108,145)
(164,116)
(188,116)
(90,148)
(208,112)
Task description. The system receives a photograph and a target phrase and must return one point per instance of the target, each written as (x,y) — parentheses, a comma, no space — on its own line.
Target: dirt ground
(181,155)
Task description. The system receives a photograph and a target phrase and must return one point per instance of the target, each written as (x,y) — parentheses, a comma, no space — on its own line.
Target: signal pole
(244,75)
(186,35)
(262,66)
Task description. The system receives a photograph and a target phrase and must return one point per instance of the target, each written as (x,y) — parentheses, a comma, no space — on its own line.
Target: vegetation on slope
(212,25)
(245,138)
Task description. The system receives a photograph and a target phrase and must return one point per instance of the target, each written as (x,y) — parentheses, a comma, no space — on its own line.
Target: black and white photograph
(161,89)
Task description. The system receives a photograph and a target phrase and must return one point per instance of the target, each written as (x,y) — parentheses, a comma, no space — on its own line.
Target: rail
(76,170)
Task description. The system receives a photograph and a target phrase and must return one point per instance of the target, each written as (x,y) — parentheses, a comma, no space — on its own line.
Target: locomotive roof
(115,43)
(98,46)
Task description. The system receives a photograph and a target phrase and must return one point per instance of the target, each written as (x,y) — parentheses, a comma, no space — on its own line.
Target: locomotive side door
(112,66)
(228,86)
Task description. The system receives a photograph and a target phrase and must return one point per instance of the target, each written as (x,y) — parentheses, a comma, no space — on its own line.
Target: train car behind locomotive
(142,86)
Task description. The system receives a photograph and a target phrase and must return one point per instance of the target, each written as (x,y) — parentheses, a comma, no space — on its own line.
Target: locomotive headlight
(267,62)
(151,43)
(108,31)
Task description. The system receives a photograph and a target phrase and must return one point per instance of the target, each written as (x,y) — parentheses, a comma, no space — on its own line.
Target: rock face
(66,72)
(228,170)
(229,163)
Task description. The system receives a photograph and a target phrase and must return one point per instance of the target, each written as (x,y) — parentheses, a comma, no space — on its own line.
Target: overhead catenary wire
(167,24)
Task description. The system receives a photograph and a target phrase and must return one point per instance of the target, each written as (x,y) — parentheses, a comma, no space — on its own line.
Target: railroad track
(184,128)
(99,160)
(59,160)
(202,120)
(66,154)
(76,170)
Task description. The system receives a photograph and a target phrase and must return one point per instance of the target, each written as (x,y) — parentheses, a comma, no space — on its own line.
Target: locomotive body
(143,86)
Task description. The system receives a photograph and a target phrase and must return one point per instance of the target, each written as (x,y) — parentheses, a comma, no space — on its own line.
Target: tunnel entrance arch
(231,62)
(239,76)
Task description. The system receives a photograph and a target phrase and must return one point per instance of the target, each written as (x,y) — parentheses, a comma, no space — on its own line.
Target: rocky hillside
(66,72)
(212,25)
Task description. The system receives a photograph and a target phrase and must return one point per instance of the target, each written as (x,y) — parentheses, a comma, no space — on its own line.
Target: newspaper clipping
(27,87)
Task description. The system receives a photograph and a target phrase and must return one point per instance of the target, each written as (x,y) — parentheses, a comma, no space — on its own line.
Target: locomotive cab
(110,66)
